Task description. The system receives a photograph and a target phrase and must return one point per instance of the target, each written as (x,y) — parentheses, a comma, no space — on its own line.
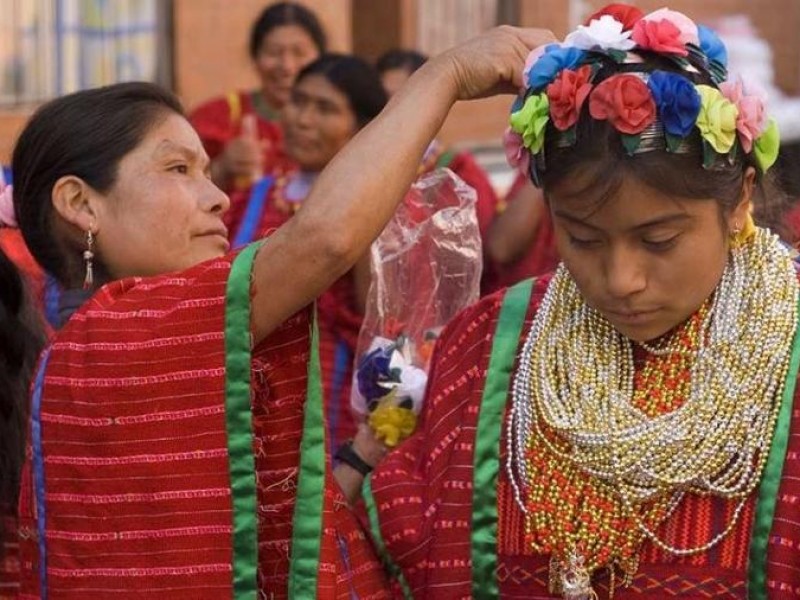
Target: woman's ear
(74,202)
(743,210)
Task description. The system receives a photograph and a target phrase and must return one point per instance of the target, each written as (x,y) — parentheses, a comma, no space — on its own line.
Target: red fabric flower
(625,101)
(567,94)
(659,36)
(624,13)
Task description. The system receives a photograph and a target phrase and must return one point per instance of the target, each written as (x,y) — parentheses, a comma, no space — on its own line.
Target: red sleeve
(212,121)
(423,489)
(465,166)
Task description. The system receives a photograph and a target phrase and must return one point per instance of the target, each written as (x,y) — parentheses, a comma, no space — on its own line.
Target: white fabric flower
(606,33)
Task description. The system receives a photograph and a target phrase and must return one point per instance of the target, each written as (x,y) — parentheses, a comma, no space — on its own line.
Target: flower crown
(651,109)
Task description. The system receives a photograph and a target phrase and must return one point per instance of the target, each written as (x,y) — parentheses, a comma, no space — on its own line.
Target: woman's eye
(583,242)
(182,169)
(661,245)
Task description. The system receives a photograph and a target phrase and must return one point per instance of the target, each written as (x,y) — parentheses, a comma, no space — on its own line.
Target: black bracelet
(350,457)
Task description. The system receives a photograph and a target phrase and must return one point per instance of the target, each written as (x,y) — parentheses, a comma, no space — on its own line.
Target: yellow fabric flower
(766,146)
(391,423)
(717,119)
(530,121)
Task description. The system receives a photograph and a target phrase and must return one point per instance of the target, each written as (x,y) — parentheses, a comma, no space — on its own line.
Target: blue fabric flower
(677,101)
(712,46)
(374,370)
(554,60)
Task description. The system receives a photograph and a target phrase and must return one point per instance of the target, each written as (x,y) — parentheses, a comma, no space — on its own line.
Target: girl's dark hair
(84,134)
(398,58)
(600,158)
(286,13)
(20,341)
(355,78)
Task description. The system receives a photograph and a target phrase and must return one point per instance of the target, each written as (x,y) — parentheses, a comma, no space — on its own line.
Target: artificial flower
(554,59)
(516,154)
(624,13)
(604,32)
(659,36)
(567,94)
(392,423)
(677,101)
(374,372)
(531,120)
(531,59)
(717,119)
(625,101)
(686,27)
(766,146)
(752,118)
(712,46)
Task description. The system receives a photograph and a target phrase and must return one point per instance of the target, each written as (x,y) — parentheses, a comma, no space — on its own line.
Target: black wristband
(350,457)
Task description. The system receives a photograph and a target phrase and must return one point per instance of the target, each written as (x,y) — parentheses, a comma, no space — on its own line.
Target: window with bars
(53,47)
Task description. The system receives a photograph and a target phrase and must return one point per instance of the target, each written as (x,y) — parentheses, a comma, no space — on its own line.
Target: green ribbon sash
(307,521)
(487,439)
(771,481)
(239,426)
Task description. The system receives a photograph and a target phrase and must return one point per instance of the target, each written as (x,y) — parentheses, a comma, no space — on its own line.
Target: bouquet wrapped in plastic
(425,267)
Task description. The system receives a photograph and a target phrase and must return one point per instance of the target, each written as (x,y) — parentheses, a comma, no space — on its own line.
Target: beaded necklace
(600,452)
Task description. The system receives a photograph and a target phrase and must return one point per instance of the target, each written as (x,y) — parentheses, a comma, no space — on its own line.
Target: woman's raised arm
(357,193)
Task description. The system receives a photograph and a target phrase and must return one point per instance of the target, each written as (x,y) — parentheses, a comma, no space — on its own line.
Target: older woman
(177,439)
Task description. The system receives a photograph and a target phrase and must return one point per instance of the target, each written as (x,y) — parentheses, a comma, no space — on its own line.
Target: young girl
(623,427)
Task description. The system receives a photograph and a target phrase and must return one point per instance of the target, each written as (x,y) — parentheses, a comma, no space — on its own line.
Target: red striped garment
(423,493)
(138,490)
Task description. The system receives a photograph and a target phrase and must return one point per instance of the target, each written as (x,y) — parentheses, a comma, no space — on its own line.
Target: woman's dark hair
(84,134)
(286,13)
(20,341)
(600,158)
(398,58)
(355,78)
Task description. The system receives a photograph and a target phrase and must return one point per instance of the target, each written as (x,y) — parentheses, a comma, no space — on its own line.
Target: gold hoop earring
(88,258)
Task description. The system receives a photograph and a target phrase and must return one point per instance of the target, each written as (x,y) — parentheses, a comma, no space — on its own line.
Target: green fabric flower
(530,121)
(766,146)
(717,119)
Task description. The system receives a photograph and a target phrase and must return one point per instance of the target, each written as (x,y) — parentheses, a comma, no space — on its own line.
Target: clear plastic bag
(425,267)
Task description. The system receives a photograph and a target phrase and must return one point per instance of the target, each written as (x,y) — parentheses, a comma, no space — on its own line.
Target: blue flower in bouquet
(554,60)
(677,100)
(375,372)
(712,46)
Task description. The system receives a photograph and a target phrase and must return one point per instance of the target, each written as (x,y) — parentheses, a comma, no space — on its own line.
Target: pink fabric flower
(516,153)
(689,33)
(567,95)
(659,36)
(752,118)
(8,217)
(625,101)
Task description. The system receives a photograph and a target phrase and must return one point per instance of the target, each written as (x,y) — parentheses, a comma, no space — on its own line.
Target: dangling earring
(88,257)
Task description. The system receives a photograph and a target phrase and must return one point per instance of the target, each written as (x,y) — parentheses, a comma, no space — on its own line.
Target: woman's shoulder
(194,297)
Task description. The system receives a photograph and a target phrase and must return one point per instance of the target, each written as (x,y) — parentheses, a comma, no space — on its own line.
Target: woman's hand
(491,63)
(370,450)
(244,155)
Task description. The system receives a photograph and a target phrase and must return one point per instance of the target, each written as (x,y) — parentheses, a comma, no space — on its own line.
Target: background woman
(168,415)
(241,131)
